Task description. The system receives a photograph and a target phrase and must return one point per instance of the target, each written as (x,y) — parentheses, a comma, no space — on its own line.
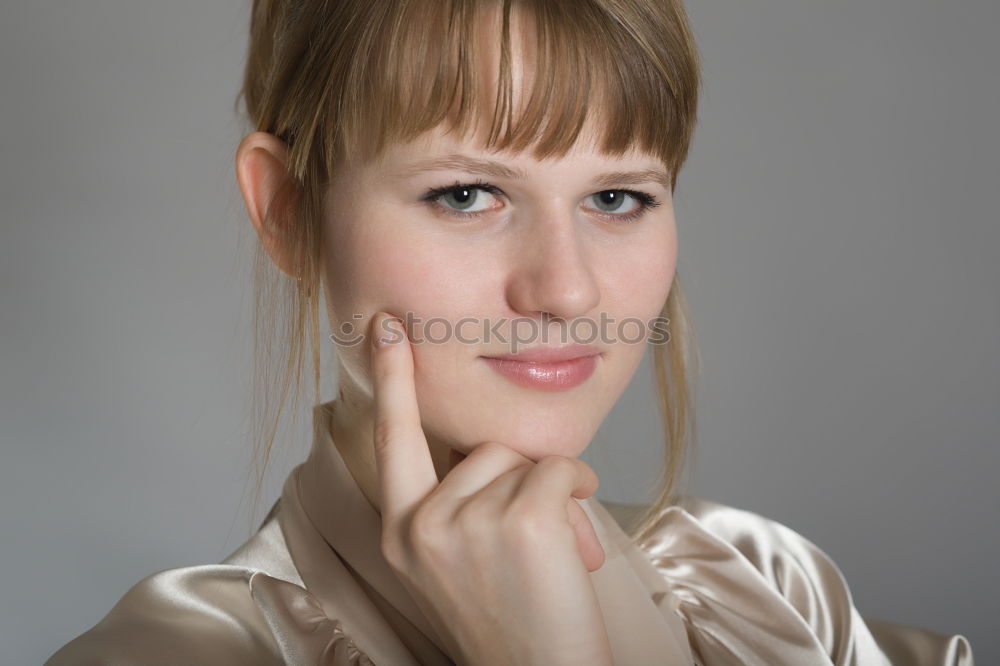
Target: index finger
(405,467)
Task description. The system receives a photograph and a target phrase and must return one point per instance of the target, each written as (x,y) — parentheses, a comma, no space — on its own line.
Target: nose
(553,273)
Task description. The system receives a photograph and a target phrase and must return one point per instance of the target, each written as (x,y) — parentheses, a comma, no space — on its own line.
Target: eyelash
(646,201)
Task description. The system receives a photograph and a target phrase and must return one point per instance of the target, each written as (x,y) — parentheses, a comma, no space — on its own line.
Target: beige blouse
(713,586)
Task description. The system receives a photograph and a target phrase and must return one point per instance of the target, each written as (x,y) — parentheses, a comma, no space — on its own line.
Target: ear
(262,170)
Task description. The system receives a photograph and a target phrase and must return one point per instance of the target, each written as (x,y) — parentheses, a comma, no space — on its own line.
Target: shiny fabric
(712,586)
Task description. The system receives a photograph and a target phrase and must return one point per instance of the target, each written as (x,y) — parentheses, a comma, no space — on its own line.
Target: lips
(549,354)
(547,369)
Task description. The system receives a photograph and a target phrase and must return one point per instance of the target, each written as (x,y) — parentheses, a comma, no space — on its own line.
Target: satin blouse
(713,585)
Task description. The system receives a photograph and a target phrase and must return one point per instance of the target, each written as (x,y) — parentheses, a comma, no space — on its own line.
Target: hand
(497,554)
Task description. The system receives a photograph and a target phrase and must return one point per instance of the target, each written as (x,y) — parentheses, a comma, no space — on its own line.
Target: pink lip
(550,354)
(547,369)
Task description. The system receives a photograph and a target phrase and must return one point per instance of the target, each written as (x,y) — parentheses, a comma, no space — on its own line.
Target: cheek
(640,277)
(373,265)
(376,266)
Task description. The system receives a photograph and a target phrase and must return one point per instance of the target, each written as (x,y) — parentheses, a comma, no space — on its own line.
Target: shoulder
(252,609)
(776,550)
(787,562)
(194,615)
(783,556)
(813,583)
(706,539)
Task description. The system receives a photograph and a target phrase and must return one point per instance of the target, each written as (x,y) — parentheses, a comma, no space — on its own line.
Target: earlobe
(261,171)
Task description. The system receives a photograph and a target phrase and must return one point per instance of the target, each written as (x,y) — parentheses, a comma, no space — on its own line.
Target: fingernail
(388,330)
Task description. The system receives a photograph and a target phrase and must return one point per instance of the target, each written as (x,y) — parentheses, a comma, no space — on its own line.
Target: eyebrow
(495,169)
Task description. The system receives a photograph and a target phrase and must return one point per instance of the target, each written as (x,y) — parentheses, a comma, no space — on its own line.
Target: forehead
(444,146)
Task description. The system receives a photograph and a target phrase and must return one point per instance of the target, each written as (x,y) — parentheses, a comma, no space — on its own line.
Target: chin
(533,435)
(533,423)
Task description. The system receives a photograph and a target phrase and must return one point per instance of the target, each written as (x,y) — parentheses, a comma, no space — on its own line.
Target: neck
(352,429)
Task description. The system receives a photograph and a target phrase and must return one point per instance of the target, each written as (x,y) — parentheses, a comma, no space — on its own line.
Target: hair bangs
(582,60)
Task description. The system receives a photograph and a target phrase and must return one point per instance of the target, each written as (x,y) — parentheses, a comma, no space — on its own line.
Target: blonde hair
(353,76)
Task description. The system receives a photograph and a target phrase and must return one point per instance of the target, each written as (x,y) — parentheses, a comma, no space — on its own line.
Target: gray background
(839,234)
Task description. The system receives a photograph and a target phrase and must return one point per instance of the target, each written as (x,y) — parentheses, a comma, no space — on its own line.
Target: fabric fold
(305,635)
(731,610)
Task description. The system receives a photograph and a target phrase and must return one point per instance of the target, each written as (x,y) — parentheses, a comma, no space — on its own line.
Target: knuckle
(489,448)
(499,452)
(424,530)
(560,464)
(392,551)
(526,520)
(473,515)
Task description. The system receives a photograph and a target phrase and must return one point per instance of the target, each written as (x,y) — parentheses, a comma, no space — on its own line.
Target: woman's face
(541,247)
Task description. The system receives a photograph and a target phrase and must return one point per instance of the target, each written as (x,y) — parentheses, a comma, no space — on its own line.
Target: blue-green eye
(463,198)
(612,201)
(470,200)
(466,200)
(609,200)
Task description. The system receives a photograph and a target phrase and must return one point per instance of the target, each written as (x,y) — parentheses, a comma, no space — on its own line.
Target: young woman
(496,179)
